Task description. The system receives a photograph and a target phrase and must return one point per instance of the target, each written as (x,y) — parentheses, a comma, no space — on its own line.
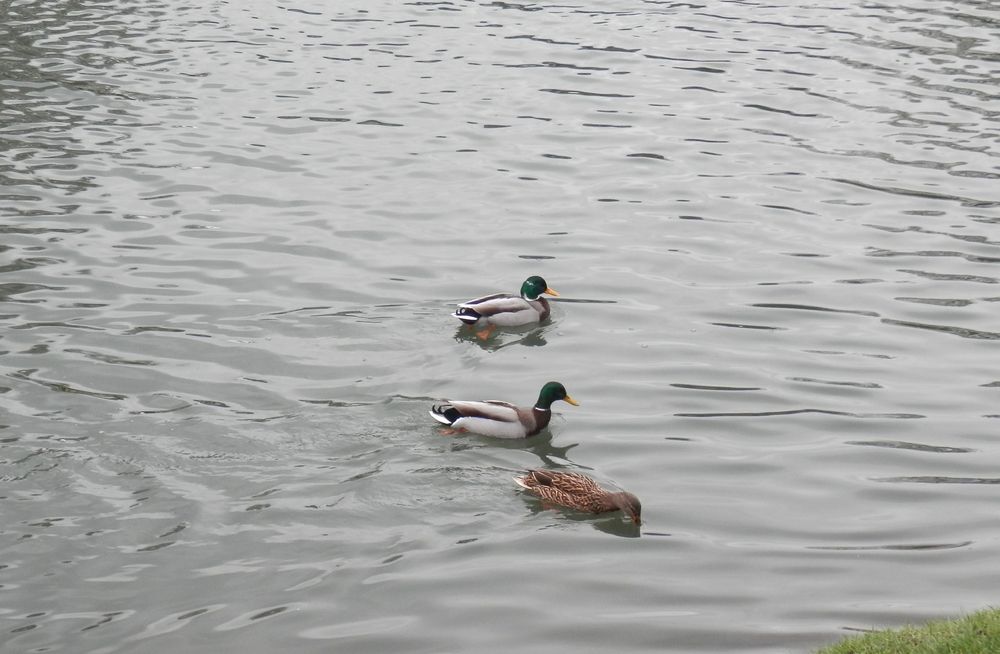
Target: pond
(233,233)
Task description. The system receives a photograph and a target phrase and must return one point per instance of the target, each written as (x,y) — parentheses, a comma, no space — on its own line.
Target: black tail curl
(467,315)
(449,412)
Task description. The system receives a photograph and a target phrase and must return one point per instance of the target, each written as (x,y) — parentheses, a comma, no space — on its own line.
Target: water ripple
(233,233)
(928,479)
(917,447)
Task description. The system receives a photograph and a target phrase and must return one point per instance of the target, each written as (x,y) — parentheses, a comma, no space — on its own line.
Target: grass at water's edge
(977,633)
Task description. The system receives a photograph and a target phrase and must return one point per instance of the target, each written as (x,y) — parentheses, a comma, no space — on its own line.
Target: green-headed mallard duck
(505,310)
(576,491)
(502,419)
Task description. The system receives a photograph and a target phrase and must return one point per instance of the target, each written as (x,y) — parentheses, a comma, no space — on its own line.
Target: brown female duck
(580,492)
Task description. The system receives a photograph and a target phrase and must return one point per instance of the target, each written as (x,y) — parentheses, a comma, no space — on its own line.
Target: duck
(487,313)
(501,419)
(577,491)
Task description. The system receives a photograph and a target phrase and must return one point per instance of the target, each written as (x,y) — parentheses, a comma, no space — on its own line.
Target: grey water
(231,234)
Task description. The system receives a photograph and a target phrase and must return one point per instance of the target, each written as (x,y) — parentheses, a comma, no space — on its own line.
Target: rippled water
(232,235)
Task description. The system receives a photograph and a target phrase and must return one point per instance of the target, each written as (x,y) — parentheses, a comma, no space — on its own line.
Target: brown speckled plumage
(577,491)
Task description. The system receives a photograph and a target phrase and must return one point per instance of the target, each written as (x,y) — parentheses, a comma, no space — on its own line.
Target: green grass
(978,633)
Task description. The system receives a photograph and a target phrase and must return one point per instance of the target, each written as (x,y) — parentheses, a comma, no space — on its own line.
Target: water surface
(232,235)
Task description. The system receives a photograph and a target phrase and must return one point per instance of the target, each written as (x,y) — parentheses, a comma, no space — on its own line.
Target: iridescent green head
(533,287)
(551,392)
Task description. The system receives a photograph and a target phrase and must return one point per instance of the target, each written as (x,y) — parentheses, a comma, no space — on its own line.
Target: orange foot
(483,334)
(448,431)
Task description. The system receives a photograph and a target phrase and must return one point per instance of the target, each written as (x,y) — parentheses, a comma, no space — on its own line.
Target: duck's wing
(492,305)
(492,418)
(472,304)
(567,489)
(572,483)
(552,495)
(486,409)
